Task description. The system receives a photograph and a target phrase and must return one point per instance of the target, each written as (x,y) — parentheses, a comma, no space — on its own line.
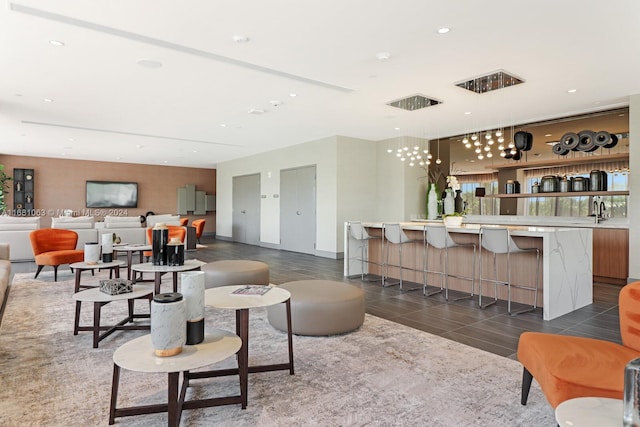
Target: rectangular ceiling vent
(494,81)
(414,102)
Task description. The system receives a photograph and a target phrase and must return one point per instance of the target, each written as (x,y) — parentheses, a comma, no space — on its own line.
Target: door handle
(298,213)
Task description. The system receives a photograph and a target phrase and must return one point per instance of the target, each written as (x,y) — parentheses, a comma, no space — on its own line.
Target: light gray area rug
(383,374)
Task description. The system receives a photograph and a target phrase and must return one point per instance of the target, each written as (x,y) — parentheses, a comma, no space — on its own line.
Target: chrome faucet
(599,209)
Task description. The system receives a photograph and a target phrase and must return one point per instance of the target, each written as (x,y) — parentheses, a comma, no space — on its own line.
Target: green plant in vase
(4,187)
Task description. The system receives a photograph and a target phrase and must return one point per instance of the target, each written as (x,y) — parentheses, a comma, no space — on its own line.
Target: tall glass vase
(449,203)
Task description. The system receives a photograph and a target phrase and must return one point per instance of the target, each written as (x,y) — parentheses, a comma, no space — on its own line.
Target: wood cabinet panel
(611,255)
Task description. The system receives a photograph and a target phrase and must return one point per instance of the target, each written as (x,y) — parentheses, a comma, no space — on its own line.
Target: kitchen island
(566,269)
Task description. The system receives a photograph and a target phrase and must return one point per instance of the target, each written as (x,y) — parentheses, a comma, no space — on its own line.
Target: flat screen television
(110,194)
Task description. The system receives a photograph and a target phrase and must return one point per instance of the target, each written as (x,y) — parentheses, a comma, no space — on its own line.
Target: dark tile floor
(491,329)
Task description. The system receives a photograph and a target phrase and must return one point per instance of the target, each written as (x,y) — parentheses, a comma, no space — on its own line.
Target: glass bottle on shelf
(449,203)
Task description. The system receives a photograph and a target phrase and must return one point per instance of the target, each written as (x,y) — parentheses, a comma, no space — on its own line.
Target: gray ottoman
(320,307)
(235,272)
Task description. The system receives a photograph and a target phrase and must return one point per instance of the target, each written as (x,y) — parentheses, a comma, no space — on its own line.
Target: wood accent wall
(60,184)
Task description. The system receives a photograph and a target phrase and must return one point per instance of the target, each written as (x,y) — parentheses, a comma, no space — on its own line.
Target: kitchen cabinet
(611,255)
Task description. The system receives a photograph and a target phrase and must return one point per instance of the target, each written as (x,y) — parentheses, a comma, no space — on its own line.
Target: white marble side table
(79,267)
(590,412)
(130,250)
(224,298)
(100,299)
(137,355)
(160,270)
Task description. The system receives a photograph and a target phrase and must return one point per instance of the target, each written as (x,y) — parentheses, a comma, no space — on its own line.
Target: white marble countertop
(541,221)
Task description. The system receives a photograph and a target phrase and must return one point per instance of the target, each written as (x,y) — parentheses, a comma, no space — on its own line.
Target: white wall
(633,203)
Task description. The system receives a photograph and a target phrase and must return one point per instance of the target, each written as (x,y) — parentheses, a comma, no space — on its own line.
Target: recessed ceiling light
(56,43)
(223,125)
(293,95)
(467,112)
(48,100)
(149,63)
(396,128)
(240,39)
(444,30)
(275,102)
(548,134)
(572,90)
(139,146)
(383,56)
(166,161)
(195,151)
(255,111)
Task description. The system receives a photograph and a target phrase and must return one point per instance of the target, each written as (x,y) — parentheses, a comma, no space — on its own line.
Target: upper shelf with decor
(563,161)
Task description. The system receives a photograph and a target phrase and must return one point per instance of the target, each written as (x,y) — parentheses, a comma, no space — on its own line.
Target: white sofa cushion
(167,219)
(73,222)
(122,222)
(19,222)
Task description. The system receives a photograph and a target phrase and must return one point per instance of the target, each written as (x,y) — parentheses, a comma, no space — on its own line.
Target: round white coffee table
(589,412)
(130,250)
(223,297)
(137,355)
(79,267)
(100,299)
(159,270)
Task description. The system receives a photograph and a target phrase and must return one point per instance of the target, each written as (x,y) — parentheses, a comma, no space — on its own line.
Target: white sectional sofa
(15,230)
(167,219)
(83,225)
(128,228)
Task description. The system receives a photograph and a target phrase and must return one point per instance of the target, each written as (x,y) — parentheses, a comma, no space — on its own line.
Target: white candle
(91,252)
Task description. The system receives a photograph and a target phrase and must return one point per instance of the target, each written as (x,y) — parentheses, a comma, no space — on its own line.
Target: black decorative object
(160,238)
(458,202)
(175,252)
(586,141)
(523,141)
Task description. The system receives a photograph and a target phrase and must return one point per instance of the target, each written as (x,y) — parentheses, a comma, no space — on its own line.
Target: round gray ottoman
(235,272)
(320,307)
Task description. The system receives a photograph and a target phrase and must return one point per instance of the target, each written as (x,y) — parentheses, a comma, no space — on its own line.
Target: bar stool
(358,233)
(394,235)
(439,238)
(499,241)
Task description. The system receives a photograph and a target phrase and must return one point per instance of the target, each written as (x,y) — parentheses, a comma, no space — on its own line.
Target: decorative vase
(168,318)
(449,203)
(107,248)
(631,395)
(458,202)
(159,238)
(432,203)
(91,253)
(192,288)
(452,221)
(175,252)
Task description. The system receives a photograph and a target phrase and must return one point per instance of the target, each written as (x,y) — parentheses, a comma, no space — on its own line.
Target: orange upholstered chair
(174,231)
(184,222)
(54,247)
(567,367)
(199,225)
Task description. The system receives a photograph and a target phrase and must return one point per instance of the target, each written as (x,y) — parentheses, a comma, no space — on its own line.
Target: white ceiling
(193,110)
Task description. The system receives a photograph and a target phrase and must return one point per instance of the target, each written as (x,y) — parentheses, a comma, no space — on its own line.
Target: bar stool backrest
(394,234)
(357,231)
(497,240)
(439,237)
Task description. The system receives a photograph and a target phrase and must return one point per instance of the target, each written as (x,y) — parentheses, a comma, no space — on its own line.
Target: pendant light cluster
(484,142)
(415,156)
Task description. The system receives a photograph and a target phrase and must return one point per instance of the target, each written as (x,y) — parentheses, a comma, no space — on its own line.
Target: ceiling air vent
(496,80)
(414,102)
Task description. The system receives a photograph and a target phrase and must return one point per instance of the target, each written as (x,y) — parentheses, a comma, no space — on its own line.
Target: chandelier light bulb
(465,140)
(411,164)
(480,157)
(468,145)
(416,147)
(438,161)
(502,154)
(487,148)
(389,150)
(501,139)
(399,150)
(498,133)
(398,155)
(414,152)
(402,159)
(490,142)
(489,155)
(501,147)
(474,137)
(477,143)
(478,150)
(429,156)
(511,145)
(412,158)
(488,135)
(513,151)
(428,162)
(418,156)
(405,148)
(425,151)
(421,163)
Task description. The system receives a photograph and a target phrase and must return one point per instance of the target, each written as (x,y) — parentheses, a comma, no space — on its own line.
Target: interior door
(246,209)
(298,209)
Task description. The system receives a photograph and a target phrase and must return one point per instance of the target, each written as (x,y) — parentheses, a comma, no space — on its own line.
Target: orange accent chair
(184,222)
(54,247)
(174,231)
(567,367)
(199,225)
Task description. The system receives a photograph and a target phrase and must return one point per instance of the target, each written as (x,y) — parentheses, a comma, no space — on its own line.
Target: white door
(246,209)
(298,209)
